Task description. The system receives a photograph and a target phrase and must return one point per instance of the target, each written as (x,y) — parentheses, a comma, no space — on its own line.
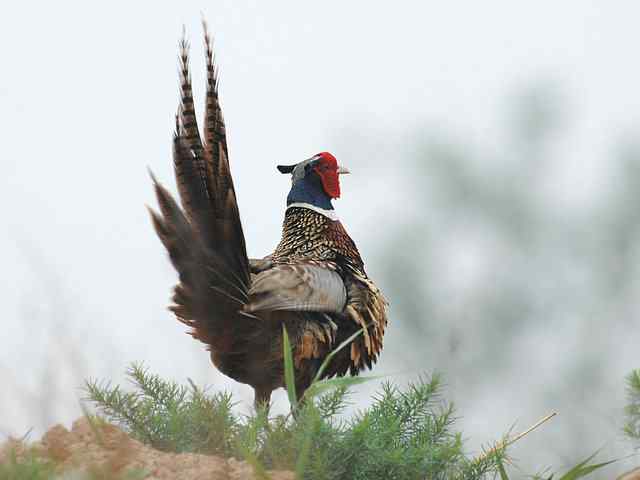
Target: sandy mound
(108,450)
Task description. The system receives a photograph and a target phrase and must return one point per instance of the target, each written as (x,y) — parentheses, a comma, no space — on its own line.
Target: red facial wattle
(327,170)
(330,182)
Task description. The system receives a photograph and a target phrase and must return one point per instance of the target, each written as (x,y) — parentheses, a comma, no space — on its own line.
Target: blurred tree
(495,282)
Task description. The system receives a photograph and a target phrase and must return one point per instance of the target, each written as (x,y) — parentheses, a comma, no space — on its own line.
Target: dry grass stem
(510,441)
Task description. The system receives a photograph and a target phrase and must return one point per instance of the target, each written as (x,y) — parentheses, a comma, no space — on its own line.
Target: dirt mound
(105,449)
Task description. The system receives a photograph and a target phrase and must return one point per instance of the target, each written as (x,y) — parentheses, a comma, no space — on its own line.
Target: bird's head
(315,180)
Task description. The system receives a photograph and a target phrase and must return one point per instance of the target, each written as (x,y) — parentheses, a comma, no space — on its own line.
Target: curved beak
(342,170)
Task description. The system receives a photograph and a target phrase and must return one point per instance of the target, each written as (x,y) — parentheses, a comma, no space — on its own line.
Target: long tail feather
(204,239)
(215,132)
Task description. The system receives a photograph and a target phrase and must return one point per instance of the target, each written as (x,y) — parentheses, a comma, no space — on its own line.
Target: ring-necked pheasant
(314,282)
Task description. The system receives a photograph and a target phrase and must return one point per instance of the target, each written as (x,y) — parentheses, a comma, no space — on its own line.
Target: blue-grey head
(315,181)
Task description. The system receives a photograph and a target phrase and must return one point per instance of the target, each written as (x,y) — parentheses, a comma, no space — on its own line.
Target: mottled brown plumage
(314,283)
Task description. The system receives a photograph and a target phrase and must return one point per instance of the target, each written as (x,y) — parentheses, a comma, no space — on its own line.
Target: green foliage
(581,470)
(404,434)
(166,415)
(401,428)
(632,411)
(30,467)
(288,369)
(584,468)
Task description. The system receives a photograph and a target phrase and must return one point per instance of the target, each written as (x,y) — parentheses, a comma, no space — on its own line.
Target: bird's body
(314,283)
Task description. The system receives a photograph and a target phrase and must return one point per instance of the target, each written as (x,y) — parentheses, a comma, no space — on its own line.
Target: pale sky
(88,91)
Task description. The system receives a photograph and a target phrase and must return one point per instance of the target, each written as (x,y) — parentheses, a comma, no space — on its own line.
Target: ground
(105,451)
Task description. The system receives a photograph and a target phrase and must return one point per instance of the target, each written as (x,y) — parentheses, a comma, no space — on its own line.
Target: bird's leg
(301,388)
(305,381)
(302,400)
(262,398)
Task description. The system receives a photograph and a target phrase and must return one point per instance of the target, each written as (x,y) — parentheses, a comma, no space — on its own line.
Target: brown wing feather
(366,309)
(303,286)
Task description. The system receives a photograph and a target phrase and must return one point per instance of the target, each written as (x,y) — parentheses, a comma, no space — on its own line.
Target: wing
(367,309)
(365,312)
(344,307)
(304,287)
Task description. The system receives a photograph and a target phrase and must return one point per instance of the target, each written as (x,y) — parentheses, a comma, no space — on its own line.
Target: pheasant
(314,283)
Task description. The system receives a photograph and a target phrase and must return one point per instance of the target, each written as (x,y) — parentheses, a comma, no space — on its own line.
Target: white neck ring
(330,214)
